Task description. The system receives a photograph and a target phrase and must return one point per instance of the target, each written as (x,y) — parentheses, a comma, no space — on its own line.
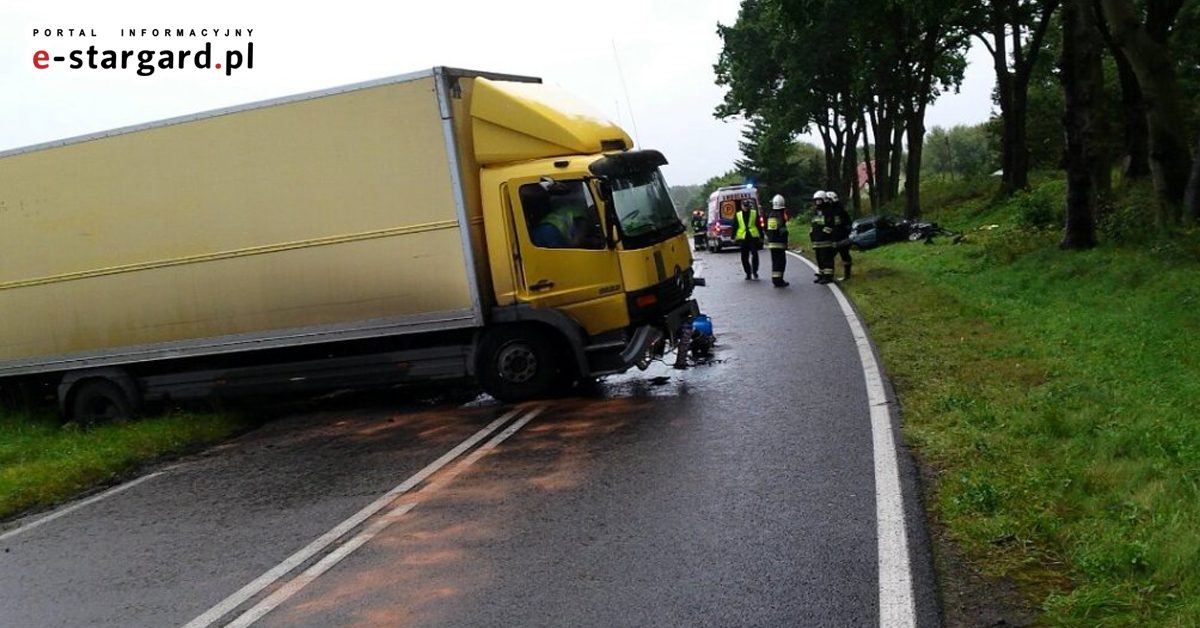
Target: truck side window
(562,215)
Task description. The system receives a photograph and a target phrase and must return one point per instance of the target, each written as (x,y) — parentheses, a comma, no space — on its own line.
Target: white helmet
(832,197)
(778,202)
(819,196)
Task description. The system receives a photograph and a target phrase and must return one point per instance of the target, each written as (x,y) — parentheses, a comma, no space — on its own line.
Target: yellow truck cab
(620,284)
(438,225)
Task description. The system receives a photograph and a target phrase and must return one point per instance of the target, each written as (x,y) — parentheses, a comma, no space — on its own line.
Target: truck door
(564,258)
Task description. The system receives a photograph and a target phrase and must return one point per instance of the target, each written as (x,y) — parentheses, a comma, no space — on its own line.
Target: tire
(98,402)
(518,363)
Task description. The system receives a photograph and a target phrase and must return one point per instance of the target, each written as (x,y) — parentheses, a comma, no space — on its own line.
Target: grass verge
(1057,395)
(42,463)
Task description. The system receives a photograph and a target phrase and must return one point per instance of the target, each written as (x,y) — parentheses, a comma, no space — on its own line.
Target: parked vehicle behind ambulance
(382,232)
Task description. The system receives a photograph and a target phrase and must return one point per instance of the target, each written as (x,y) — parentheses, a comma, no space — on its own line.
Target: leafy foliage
(963,151)
(777,164)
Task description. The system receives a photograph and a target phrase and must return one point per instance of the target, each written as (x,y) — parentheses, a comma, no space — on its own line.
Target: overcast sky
(666,49)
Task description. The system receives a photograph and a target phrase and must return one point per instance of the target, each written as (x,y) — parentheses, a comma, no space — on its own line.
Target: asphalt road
(737,493)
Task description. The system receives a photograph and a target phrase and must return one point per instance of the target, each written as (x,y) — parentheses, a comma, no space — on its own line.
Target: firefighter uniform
(841,234)
(749,239)
(699,230)
(777,241)
(825,225)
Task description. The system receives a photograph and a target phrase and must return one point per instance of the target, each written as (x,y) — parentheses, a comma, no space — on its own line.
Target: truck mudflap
(644,339)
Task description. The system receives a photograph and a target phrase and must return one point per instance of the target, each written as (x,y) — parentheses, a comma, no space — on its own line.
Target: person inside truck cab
(562,215)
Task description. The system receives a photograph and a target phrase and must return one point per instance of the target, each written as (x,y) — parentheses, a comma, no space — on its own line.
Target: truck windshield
(644,209)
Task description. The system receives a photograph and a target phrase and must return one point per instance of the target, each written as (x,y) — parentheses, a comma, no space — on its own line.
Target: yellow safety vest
(741,223)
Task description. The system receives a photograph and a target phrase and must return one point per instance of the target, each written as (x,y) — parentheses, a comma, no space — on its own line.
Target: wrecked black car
(875,231)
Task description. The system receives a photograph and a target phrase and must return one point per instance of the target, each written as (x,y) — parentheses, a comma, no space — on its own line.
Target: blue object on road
(702,324)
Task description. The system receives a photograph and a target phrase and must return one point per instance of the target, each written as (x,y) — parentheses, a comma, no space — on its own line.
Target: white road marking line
(293,586)
(212,615)
(72,508)
(896,608)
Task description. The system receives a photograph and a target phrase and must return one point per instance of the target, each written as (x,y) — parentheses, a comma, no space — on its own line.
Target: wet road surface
(738,493)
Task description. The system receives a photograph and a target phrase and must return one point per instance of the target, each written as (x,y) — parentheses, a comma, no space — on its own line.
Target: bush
(1008,245)
(1038,209)
(1130,218)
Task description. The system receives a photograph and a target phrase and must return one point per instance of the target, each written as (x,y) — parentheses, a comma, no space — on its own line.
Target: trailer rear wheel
(518,363)
(99,401)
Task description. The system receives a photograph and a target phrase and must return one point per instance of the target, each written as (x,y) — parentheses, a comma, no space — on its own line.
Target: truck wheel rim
(518,363)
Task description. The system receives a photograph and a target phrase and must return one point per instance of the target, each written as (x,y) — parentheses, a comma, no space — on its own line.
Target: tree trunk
(893,184)
(916,145)
(1004,89)
(1012,86)
(1191,199)
(831,155)
(881,126)
(1083,79)
(873,189)
(1136,162)
(850,173)
(1018,111)
(1013,92)
(1170,155)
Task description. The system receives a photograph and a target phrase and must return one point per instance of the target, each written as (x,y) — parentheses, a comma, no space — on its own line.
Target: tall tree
(769,159)
(1146,43)
(883,77)
(1014,32)
(1136,161)
(780,66)
(820,64)
(935,62)
(1082,75)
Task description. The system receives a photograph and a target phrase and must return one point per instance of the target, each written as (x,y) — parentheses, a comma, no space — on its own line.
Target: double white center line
(290,588)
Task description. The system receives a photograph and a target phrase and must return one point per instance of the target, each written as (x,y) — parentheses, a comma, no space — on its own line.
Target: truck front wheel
(99,401)
(517,363)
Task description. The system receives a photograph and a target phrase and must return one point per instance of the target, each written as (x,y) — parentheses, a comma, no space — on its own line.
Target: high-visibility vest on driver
(742,227)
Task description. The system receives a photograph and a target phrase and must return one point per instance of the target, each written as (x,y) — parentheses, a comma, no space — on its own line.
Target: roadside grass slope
(42,463)
(1057,394)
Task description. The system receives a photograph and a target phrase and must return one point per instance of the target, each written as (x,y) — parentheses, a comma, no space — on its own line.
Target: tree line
(1122,75)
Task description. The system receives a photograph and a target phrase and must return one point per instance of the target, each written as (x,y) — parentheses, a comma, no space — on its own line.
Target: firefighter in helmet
(699,229)
(777,239)
(822,233)
(841,232)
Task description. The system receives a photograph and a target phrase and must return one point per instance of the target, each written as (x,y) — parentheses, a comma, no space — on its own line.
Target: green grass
(42,463)
(1058,396)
